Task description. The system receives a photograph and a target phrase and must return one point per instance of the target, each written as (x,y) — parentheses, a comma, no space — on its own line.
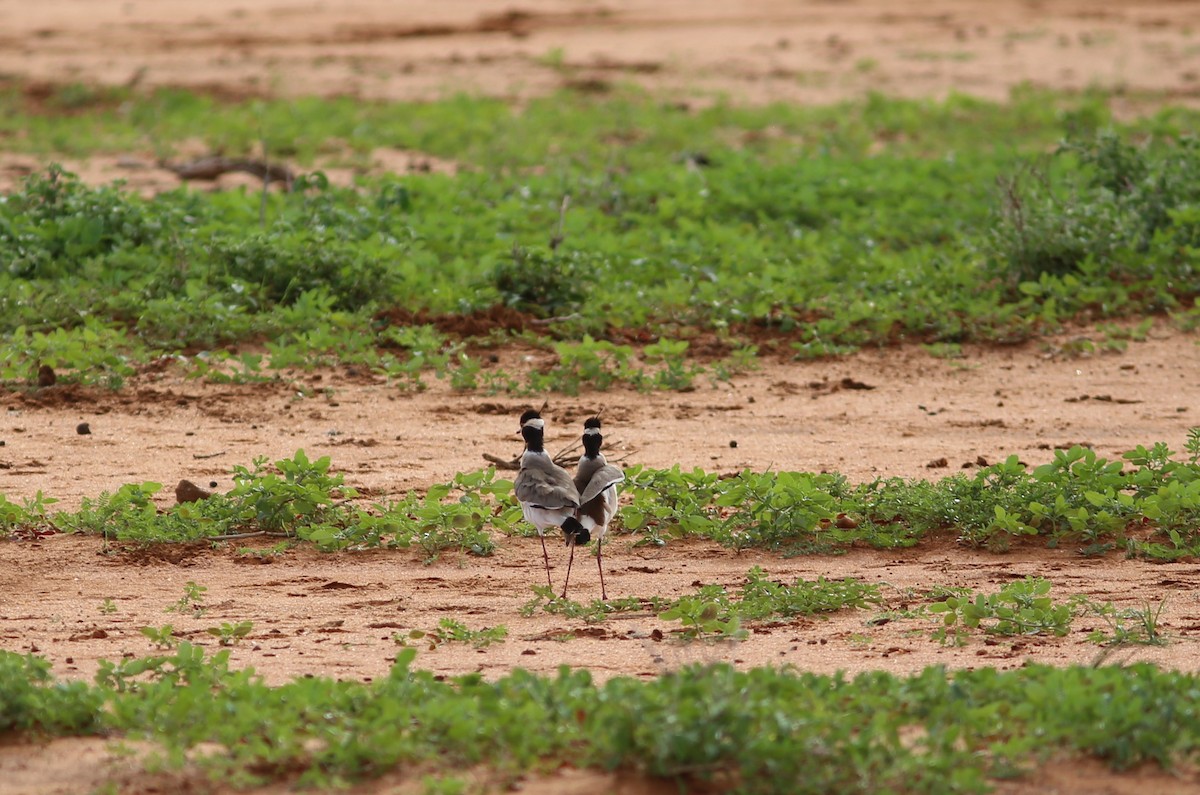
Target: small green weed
(192,600)
(231,634)
(451,631)
(162,637)
(1021,607)
(1130,626)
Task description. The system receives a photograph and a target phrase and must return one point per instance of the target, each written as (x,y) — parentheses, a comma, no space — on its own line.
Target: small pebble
(83,429)
(733,443)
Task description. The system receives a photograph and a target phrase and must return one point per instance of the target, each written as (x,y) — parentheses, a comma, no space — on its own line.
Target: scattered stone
(938,463)
(733,443)
(83,429)
(187,491)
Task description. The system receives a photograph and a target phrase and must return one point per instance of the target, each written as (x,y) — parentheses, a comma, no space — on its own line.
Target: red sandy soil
(874,414)
(337,614)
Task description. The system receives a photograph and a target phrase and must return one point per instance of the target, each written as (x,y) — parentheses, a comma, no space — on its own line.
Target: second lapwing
(597,482)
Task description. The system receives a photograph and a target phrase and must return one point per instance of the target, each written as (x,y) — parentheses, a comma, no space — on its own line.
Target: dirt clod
(187,491)
(83,429)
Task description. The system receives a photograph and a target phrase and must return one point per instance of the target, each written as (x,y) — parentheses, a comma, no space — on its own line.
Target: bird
(546,492)
(596,480)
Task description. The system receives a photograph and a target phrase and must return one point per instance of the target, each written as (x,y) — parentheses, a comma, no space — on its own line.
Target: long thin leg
(600,565)
(570,560)
(546,560)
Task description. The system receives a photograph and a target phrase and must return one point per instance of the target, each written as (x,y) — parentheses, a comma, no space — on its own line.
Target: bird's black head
(592,438)
(532,430)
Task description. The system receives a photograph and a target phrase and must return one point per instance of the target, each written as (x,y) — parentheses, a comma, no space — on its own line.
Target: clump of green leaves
(1105,216)
(1022,607)
(1137,626)
(541,281)
(231,633)
(594,612)
(450,630)
(162,637)
(192,600)
(32,702)
(701,619)
(931,732)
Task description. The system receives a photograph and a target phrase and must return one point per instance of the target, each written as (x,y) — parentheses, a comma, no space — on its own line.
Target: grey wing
(605,477)
(546,488)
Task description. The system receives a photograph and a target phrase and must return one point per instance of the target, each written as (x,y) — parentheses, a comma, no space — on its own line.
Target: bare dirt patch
(755,51)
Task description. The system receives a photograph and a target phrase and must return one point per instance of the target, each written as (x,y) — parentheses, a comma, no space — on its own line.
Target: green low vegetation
(714,612)
(1078,498)
(809,230)
(760,731)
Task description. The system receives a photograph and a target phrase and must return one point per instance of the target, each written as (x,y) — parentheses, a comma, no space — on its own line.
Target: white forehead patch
(536,422)
(591,432)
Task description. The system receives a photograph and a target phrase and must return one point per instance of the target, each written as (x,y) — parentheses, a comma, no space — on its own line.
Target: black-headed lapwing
(546,492)
(597,482)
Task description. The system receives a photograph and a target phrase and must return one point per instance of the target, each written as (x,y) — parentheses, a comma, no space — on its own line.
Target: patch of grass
(1077,497)
(932,732)
(231,633)
(450,630)
(860,224)
(714,612)
(1022,607)
(1130,626)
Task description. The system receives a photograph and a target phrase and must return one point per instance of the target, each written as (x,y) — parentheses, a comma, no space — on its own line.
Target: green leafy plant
(1021,607)
(230,634)
(192,600)
(702,619)
(1128,626)
(450,630)
(162,637)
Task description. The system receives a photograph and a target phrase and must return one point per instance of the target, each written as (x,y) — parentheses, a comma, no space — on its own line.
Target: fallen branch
(565,458)
(254,534)
(209,168)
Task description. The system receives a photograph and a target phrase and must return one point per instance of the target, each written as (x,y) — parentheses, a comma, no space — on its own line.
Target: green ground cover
(761,731)
(1078,499)
(815,229)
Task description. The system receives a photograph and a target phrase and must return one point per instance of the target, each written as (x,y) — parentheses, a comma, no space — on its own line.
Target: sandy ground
(756,50)
(337,614)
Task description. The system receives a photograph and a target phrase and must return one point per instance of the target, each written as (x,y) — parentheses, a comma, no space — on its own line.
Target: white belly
(545,518)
